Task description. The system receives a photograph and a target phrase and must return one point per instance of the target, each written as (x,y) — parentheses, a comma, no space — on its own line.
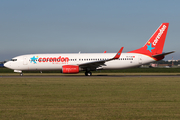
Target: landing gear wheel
(88,73)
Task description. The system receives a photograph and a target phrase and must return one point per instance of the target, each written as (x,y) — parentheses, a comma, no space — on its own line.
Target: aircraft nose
(7,64)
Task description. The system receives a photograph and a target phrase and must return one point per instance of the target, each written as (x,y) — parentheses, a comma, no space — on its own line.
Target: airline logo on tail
(159,35)
(149,47)
(161,30)
(156,42)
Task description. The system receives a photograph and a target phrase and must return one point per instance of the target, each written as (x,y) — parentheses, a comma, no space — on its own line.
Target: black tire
(88,73)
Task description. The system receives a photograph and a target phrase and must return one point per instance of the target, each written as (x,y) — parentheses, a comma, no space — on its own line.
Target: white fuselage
(56,61)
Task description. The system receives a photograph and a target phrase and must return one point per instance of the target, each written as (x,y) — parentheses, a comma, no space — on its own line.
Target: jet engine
(70,69)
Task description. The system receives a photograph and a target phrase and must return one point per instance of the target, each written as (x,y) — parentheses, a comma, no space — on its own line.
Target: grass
(90,98)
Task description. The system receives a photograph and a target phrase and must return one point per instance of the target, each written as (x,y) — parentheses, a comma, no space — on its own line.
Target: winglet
(118,54)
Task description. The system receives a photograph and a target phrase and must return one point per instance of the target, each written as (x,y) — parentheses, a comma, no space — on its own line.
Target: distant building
(154,65)
(164,65)
(1,65)
(173,60)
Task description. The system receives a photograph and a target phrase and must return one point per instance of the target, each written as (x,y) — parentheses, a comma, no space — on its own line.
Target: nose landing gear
(21,74)
(88,73)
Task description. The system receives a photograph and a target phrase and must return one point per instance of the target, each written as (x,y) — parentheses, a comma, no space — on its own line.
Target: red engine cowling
(70,69)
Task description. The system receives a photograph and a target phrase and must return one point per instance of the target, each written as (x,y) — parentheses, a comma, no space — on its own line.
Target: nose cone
(7,64)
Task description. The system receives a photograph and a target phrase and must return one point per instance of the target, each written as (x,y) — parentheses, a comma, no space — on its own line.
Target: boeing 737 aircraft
(73,63)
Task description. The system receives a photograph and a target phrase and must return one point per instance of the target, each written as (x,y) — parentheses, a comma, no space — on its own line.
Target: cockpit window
(13,59)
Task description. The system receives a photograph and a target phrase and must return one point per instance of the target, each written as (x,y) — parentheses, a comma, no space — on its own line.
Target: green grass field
(90,98)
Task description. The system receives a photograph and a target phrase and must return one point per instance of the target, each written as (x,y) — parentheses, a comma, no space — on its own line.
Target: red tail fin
(156,43)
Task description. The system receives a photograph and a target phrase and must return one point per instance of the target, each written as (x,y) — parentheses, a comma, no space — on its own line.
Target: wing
(95,64)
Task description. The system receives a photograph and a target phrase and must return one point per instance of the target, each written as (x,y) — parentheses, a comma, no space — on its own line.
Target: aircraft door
(24,60)
(140,59)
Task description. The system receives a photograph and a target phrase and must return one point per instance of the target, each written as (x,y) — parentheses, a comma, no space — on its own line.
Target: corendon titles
(53,59)
(159,35)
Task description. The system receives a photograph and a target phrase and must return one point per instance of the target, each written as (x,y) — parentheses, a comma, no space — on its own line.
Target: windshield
(13,59)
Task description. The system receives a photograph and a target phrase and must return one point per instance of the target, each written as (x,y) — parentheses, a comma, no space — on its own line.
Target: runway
(82,76)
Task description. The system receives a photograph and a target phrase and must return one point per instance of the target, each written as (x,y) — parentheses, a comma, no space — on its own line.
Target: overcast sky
(70,26)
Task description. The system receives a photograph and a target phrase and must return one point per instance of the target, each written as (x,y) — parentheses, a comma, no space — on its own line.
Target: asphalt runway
(82,76)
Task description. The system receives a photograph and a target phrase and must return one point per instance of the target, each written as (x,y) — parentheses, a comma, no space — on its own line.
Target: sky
(89,26)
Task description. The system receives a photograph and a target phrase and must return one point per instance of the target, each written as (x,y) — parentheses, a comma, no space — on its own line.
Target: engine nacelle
(70,69)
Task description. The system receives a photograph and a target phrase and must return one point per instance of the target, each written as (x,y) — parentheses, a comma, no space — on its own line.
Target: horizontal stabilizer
(163,54)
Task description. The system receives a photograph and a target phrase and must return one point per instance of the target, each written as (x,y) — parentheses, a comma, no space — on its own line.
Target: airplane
(76,62)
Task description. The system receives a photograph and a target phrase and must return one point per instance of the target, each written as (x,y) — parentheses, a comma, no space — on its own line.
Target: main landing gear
(88,73)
